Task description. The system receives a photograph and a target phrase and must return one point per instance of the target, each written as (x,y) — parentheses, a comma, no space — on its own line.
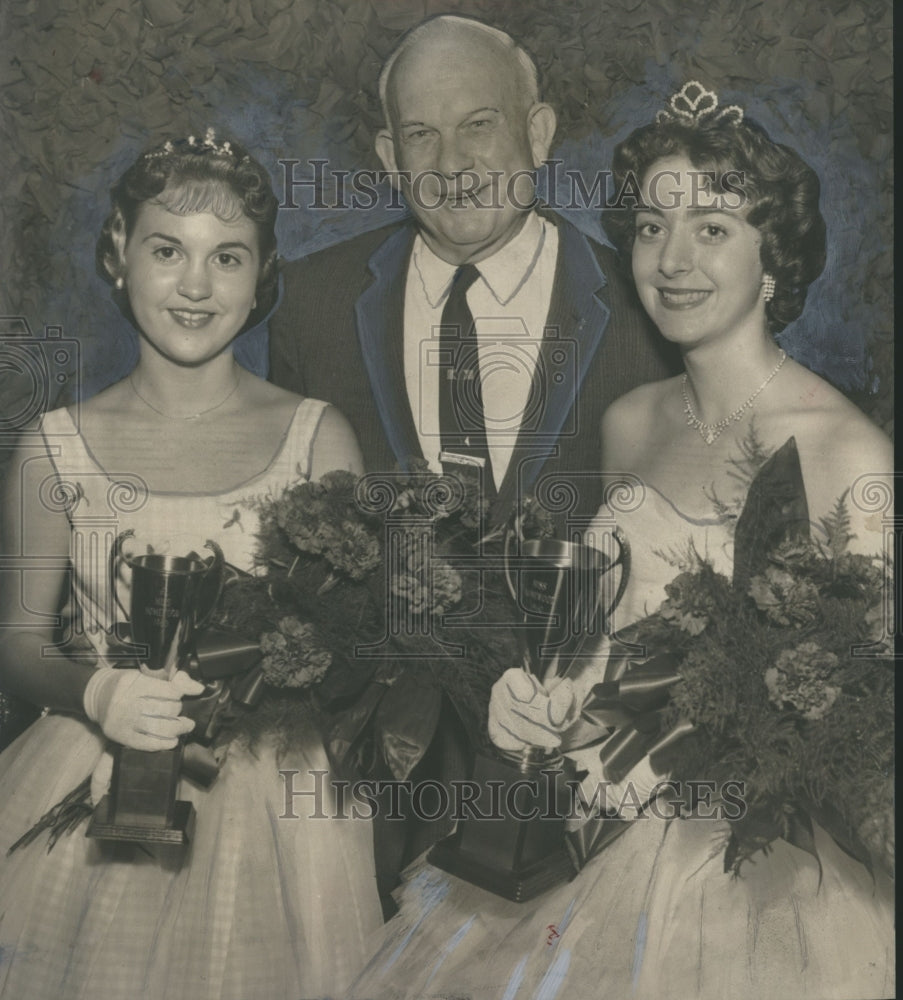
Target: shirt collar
(504,272)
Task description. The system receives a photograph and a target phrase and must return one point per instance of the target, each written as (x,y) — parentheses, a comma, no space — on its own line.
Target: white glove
(523,713)
(625,797)
(139,711)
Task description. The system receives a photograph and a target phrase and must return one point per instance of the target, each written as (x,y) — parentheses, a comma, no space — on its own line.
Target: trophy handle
(624,560)
(511,531)
(212,584)
(116,557)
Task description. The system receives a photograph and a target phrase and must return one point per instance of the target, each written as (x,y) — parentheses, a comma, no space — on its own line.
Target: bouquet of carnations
(790,689)
(375,598)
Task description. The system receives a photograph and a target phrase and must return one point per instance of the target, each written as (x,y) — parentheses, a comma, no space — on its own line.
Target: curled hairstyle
(188,176)
(778,188)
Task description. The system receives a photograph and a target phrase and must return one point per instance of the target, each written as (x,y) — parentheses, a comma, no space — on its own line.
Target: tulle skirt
(654,917)
(266,902)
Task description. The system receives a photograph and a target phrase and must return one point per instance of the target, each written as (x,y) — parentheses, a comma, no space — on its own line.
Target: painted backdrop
(87,83)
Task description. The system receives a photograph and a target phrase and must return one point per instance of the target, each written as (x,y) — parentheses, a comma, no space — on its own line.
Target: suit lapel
(578,316)
(379,312)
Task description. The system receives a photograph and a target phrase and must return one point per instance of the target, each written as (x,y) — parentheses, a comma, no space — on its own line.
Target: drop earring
(768,286)
(119,283)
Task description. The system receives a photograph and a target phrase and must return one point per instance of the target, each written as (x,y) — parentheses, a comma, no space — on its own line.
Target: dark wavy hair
(779,189)
(196,175)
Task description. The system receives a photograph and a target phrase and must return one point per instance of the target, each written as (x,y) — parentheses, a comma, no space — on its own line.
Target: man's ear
(541,124)
(385,150)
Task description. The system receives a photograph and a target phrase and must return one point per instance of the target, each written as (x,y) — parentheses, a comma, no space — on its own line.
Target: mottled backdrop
(87,83)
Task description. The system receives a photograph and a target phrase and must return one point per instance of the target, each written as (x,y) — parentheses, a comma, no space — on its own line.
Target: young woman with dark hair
(258,905)
(725,238)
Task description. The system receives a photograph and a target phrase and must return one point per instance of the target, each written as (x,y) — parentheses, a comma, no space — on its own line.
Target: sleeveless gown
(653,916)
(261,905)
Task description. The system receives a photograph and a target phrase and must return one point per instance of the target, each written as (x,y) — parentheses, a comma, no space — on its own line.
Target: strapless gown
(653,916)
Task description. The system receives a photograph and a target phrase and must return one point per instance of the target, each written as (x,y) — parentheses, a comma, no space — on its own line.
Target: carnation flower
(319,519)
(432,586)
(353,550)
(689,604)
(291,655)
(784,598)
(801,678)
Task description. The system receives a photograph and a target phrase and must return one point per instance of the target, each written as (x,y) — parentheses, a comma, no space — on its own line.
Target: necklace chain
(711,432)
(189,416)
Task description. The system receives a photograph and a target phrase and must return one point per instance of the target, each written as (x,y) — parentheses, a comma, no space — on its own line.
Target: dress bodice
(100,505)
(265,903)
(665,540)
(662,540)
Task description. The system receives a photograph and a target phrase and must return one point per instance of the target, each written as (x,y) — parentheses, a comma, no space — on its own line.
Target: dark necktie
(462,425)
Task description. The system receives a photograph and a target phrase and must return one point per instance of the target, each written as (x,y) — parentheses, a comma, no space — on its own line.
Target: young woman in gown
(654,915)
(259,905)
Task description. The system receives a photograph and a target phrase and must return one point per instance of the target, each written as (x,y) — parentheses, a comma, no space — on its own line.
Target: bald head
(441,40)
(465,133)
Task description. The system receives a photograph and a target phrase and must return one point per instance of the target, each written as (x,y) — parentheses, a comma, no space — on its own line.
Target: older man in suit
(556,333)
(484,332)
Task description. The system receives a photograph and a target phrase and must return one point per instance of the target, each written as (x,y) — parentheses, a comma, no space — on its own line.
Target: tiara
(193,145)
(694,105)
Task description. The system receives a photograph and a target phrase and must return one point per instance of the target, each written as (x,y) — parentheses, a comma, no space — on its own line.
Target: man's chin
(461,239)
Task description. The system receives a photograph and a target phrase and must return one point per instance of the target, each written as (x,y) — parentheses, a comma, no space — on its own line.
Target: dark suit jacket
(338,335)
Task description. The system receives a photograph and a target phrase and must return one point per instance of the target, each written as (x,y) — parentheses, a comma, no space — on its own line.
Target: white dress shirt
(510,304)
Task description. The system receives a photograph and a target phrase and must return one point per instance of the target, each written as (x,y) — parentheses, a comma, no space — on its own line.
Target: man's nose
(454,156)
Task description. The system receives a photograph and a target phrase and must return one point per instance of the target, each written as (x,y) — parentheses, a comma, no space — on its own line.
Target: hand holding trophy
(523,713)
(139,710)
(171,597)
(565,595)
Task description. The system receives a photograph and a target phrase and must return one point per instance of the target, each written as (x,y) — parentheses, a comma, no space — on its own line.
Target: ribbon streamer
(626,714)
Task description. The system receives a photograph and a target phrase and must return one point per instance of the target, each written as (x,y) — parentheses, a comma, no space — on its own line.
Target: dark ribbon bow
(631,706)
(626,714)
(227,665)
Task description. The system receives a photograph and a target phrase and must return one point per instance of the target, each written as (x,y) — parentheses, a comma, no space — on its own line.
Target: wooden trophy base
(517,884)
(141,807)
(518,851)
(104,827)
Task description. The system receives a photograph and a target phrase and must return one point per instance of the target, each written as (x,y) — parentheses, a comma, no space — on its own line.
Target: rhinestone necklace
(188,416)
(711,432)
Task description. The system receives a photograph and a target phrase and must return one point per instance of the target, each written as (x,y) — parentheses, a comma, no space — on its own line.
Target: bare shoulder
(842,454)
(260,393)
(835,432)
(113,399)
(640,403)
(335,445)
(332,427)
(634,420)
